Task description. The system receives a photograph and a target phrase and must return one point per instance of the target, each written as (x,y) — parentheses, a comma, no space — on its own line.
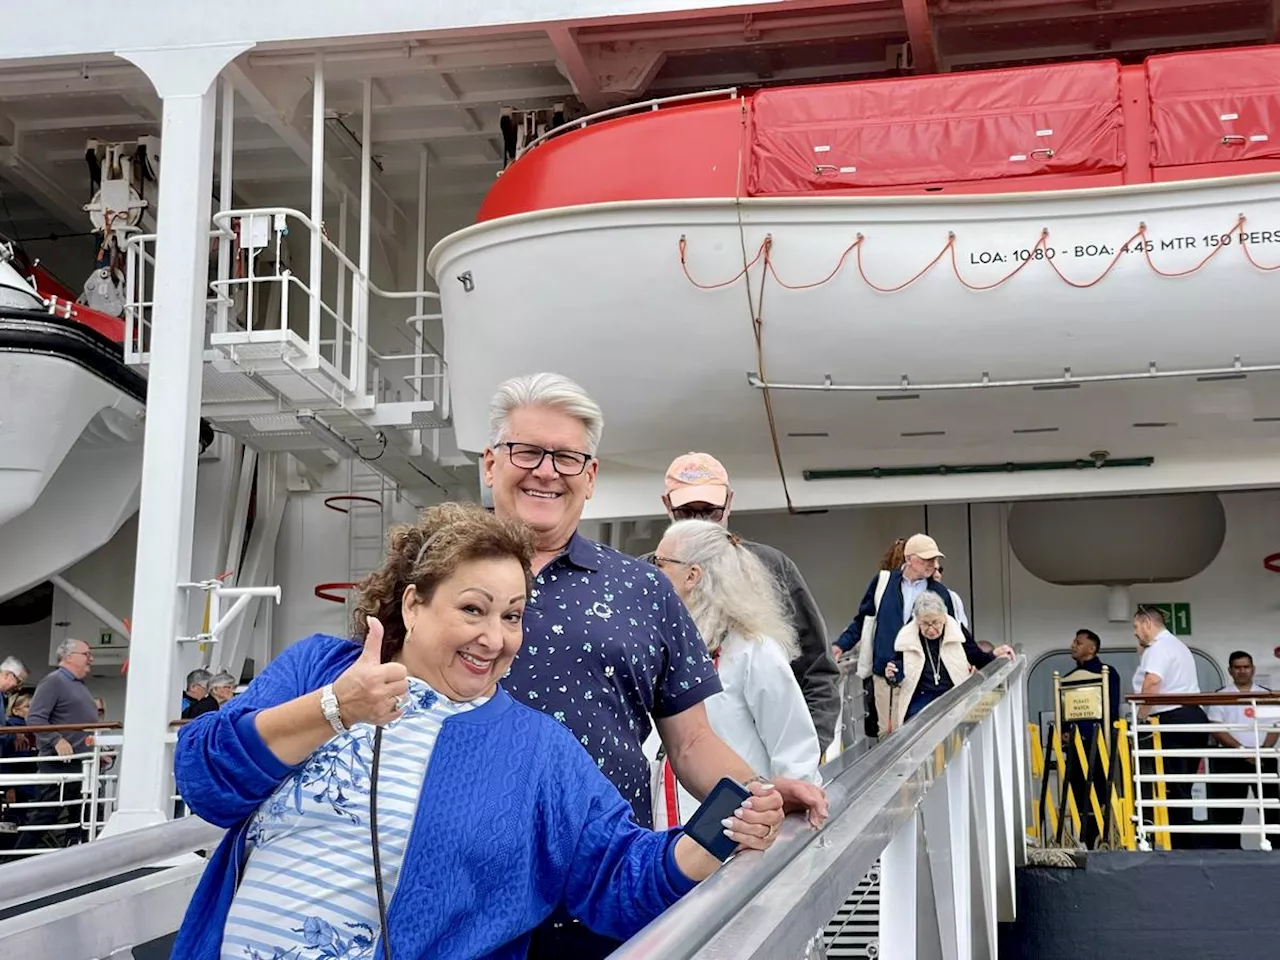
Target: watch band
(329,707)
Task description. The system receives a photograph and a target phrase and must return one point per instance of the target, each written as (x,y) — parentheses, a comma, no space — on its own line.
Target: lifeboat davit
(71,427)
(1032,227)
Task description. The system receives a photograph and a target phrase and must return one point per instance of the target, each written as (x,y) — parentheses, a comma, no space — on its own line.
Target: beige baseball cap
(923,546)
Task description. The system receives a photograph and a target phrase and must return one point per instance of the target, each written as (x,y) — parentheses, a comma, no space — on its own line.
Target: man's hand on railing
(800,796)
(63,748)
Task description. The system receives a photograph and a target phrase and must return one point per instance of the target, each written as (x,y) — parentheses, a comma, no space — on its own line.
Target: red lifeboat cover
(1215,106)
(1059,119)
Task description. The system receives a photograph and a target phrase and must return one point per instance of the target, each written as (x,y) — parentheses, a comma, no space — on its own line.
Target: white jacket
(761,714)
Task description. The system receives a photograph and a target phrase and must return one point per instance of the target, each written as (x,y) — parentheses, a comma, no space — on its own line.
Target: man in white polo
(1240,666)
(1168,668)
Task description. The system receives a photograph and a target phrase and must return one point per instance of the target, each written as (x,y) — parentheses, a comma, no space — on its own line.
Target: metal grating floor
(853,933)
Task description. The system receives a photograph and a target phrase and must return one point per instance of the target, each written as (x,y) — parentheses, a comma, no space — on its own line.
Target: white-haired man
(61,699)
(697,488)
(607,642)
(221,687)
(13,674)
(197,689)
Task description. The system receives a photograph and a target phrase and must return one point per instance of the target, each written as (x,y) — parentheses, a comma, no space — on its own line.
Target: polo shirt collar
(581,552)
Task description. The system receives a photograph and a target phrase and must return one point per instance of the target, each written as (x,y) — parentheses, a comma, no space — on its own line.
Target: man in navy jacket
(904,585)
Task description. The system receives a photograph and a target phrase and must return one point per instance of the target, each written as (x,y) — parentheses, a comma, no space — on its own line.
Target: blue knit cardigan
(514,820)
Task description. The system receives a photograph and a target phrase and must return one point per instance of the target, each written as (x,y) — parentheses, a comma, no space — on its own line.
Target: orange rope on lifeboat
(949,251)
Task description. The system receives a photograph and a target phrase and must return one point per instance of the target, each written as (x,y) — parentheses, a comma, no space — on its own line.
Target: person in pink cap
(697,488)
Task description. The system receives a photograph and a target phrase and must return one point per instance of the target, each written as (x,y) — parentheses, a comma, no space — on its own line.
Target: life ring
(324,591)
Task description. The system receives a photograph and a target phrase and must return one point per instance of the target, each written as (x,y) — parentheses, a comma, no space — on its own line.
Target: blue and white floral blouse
(306,891)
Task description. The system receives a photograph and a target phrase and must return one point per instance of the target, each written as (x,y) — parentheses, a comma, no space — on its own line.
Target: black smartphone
(705,828)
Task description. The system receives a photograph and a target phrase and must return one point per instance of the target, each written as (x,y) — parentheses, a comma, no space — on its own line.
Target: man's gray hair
(15,666)
(66,648)
(198,676)
(223,679)
(929,604)
(545,390)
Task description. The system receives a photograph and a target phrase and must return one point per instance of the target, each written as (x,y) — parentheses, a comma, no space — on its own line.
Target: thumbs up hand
(369,690)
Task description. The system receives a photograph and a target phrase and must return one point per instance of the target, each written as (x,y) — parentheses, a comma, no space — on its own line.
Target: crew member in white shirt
(1240,666)
(1166,668)
(761,713)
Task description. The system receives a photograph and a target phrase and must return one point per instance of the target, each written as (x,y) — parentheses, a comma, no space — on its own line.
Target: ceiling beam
(87,123)
(573,64)
(447,86)
(991,56)
(514,96)
(977,14)
(924,43)
(417,57)
(8,132)
(814,73)
(30,177)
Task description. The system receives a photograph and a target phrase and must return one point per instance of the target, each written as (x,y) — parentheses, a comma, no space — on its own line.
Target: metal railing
(86,785)
(956,774)
(1165,775)
(262,300)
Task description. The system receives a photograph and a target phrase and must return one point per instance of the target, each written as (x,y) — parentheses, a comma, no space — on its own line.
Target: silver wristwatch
(329,707)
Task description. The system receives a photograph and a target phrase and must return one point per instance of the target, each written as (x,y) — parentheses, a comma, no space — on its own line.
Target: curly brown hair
(424,554)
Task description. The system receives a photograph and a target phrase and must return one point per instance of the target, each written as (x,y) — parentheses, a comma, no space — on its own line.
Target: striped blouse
(306,890)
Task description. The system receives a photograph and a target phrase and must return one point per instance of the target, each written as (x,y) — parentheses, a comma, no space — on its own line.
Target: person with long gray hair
(737,608)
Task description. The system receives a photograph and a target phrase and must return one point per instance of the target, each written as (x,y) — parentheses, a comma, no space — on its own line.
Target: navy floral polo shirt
(607,644)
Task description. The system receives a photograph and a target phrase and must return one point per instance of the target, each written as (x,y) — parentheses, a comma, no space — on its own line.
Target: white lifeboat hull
(874,296)
(70,449)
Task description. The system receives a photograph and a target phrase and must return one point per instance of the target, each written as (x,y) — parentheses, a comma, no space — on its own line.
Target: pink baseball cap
(697,478)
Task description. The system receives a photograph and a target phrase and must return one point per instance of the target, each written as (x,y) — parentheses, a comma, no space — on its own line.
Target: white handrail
(225,217)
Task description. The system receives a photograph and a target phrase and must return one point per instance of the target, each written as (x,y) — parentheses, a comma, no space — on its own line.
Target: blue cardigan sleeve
(223,769)
(619,876)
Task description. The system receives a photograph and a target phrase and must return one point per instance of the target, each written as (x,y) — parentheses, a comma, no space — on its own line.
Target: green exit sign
(1177,617)
(105,638)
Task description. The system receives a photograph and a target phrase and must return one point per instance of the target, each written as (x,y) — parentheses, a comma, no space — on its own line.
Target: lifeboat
(71,426)
(828,247)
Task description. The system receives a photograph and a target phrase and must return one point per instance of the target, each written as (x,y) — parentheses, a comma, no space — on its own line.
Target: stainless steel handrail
(653,104)
(55,873)
(688,926)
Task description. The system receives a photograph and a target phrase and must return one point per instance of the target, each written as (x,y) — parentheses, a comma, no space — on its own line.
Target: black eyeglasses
(714,514)
(528,456)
